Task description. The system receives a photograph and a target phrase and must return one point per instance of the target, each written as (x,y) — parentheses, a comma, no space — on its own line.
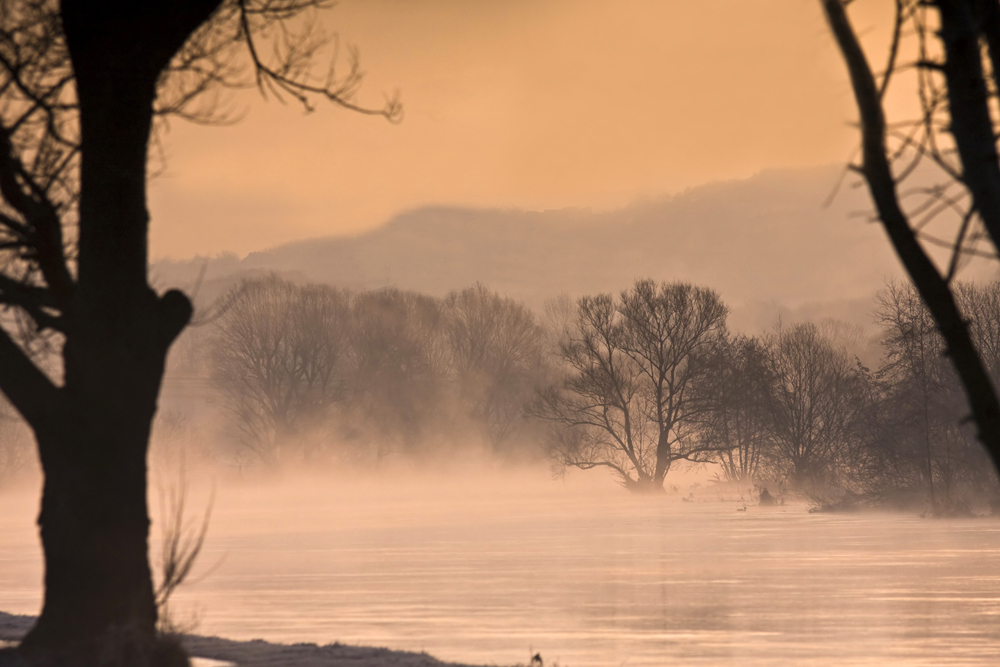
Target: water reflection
(588,578)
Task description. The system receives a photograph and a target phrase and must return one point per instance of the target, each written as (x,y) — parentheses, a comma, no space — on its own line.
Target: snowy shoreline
(258,653)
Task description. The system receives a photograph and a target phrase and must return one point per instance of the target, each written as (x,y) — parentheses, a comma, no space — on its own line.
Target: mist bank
(773,242)
(632,385)
(635,385)
(493,567)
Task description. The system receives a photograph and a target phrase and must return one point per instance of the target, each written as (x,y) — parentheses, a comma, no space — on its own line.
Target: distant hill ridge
(762,239)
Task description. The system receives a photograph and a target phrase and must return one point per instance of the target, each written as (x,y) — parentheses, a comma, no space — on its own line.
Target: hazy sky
(518,103)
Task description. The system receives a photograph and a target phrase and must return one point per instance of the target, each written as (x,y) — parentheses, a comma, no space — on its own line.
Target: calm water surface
(490,574)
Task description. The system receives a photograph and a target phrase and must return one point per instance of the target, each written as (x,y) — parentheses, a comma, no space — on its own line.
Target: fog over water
(467,383)
(495,565)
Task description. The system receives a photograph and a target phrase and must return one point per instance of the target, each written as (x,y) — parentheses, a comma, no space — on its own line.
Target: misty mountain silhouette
(762,239)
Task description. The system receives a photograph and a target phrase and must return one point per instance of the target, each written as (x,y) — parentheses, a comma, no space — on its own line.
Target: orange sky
(518,103)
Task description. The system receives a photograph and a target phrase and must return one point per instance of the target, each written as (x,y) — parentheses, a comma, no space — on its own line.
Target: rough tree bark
(93,431)
(80,84)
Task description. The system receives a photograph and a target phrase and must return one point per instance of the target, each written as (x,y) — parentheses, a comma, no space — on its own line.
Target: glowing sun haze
(533,104)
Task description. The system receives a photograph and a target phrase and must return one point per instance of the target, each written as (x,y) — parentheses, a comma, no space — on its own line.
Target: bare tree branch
(932,287)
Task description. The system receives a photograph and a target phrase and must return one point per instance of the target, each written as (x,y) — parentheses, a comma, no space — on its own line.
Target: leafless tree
(80,86)
(280,362)
(980,304)
(634,394)
(675,332)
(558,317)
(597,414)
(815,400)
(496,356)
(957,46)
(738,421)
(919,378)
(924,391)
(379,371)
(399,366)
(181,542)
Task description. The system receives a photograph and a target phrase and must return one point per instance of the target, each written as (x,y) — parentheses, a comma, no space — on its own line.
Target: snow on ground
(216,652)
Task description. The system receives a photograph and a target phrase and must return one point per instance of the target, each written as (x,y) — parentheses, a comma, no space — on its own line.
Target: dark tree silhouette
(919,378)
(955,133)
(738,421)
(814,402)
(80,85)
(924,390)
(637,382)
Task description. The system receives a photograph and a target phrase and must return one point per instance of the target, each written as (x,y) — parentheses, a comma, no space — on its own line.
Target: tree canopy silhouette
(81,84)
(639,369)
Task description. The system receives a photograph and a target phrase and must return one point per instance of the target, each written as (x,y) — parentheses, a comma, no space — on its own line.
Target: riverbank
(259,653)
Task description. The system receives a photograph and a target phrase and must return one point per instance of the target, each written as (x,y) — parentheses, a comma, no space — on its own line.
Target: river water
(491,572)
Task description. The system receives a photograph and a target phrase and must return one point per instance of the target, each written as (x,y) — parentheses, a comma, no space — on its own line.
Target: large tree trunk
(99,603)
(94,528)
(663,460)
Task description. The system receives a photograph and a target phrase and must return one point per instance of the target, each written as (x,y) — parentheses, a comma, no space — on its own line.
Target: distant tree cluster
(925,439)
(653,377)
(634,383)
(310,371)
